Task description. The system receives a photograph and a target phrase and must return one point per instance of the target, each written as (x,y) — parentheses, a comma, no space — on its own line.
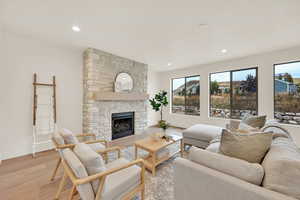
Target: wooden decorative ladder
(44,112)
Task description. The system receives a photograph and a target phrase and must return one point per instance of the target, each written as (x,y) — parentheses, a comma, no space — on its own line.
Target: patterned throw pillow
(251,147)
(254,121)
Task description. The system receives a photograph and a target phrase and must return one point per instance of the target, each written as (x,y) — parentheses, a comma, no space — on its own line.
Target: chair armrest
(85,135)
(111,149)
(81,136)
(62,146)
(110,171)
(65,146)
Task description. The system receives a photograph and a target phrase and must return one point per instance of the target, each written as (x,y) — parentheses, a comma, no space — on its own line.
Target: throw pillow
(68,136)
(251,147)
(254,121)
(246,128)
(92,161)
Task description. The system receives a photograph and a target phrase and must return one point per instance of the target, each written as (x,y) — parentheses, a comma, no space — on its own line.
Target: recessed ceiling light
(169,64)
(202,25)
(224,50)
(75,28)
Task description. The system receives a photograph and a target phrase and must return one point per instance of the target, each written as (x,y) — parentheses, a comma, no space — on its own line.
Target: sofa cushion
(58,138)
(68,136)
(250,172)
(97,146)
(254,121)
(92,161)
(85,190)
(202,132)
(251,147)
(282,167)
(121,182)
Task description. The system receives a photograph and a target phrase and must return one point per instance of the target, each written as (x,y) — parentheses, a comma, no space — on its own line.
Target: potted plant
(159,101)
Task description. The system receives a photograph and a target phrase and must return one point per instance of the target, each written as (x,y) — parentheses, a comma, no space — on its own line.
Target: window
(287,92)
(233,93)
(186,95)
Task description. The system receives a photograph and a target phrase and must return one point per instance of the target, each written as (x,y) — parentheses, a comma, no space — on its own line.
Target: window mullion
(231,95)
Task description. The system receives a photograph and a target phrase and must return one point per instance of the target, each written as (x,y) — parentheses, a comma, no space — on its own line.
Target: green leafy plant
(159,101)
(163,124)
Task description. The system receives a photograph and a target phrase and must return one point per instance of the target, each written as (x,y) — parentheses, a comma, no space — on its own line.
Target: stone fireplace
(101,103)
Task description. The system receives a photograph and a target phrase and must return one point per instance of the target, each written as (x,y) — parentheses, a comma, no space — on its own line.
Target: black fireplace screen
(122,124)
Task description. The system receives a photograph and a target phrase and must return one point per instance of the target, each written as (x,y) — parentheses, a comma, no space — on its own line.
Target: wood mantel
(120,96)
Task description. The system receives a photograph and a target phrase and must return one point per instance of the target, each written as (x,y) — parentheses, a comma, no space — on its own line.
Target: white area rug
(160,186)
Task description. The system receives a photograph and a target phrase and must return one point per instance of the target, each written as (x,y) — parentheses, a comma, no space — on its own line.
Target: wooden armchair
(59,145)
(108,179)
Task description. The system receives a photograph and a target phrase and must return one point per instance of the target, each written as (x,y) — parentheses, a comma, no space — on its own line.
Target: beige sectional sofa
(209,175)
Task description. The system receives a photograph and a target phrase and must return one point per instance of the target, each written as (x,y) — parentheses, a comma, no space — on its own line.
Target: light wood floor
(27,178)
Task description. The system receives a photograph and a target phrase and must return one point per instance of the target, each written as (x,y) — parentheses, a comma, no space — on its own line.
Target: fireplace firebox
(122,124)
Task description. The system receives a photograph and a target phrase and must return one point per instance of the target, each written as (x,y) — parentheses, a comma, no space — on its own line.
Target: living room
(146,100)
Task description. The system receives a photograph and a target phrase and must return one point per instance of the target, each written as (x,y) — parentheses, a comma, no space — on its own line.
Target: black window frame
(185,77)
(231,93)
(274,65)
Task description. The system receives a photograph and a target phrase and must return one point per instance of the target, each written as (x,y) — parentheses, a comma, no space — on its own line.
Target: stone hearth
(100,70)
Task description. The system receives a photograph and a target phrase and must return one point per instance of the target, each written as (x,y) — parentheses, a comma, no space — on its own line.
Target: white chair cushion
(92,161)
(202,132)
(252,173)
(121,182)
(85,190)
(97,146)
(68,136)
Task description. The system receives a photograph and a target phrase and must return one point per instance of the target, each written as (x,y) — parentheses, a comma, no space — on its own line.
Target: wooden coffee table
(154,146)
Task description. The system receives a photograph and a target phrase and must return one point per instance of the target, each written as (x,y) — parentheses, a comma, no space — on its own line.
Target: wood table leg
(153,163)
(181,147)
(55,170)
(135,152)
(143,193)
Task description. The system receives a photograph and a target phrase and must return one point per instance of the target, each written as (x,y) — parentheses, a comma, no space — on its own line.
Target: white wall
(265,86)
(153,88)
(22,57)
